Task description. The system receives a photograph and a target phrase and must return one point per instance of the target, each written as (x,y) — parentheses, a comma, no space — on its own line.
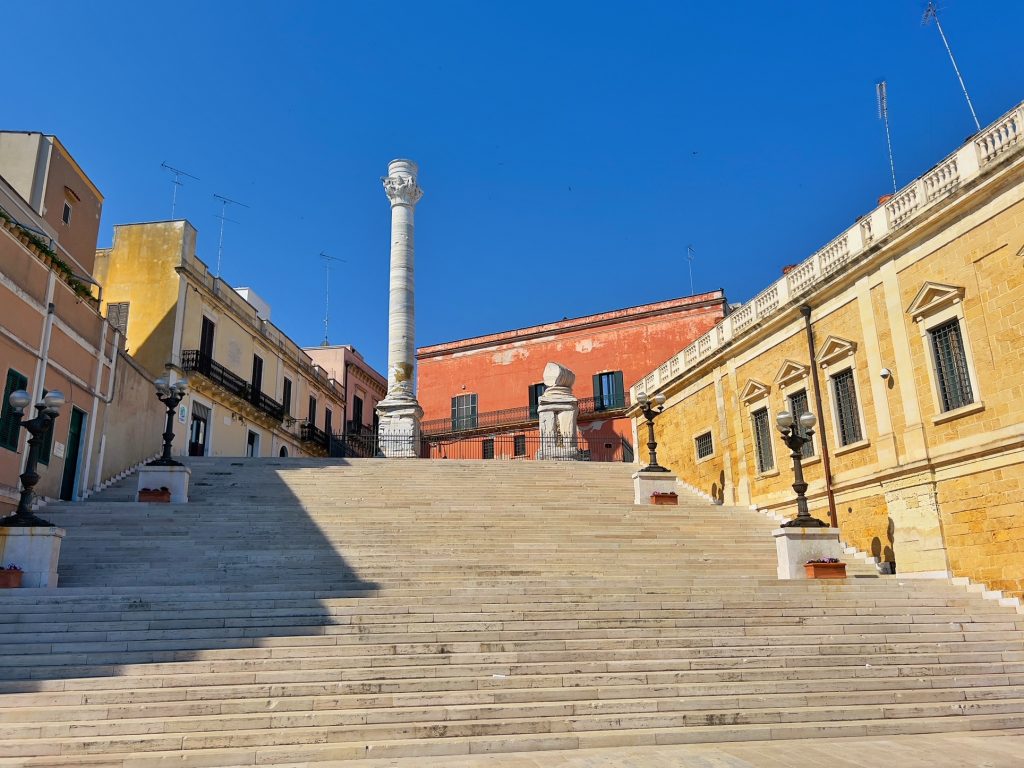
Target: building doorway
(72,455)
(198,430)
(252,444)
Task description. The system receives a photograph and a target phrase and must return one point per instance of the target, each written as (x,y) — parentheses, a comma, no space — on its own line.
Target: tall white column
(399,412)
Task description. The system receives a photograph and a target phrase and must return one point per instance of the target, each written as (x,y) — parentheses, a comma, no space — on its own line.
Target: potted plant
(161,494)
(664,498)
(825,568)
(10,577)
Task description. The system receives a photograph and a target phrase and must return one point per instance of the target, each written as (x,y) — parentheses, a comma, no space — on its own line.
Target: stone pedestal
(645,483)
(34,550)
(174,479)
(398,432)
(795,546)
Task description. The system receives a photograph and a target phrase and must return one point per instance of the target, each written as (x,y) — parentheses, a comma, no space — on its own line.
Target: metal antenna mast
(690,253)
(178,173)
(327,291)
(224,203)
(930,13)
(883,114)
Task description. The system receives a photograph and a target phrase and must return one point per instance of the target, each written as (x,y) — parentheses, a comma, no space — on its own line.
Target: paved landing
(998,749)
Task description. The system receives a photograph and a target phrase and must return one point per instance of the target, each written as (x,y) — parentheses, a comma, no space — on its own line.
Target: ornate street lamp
(38,428)
(795,441)
(170,395)
(649,413)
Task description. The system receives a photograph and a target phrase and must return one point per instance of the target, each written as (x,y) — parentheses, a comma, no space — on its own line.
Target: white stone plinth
(795,546)
(645,483)
(35,550)
(398,431)
(174,479)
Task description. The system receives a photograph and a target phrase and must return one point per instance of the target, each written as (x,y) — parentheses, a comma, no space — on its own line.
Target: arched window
(283,452)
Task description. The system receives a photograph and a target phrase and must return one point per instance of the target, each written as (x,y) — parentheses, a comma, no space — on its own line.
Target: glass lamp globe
(641,397)
(54,399)
(19,400)
(784,419)
(659,399)
(181,385)
(807,420)
(162,385)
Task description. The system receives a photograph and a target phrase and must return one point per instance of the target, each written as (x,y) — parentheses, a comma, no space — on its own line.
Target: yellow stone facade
(935,488)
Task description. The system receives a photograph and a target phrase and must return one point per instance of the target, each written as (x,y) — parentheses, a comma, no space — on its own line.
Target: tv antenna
(883,114)
(327,291)
(224,203)
(178,173)
(690,253)
(931,13)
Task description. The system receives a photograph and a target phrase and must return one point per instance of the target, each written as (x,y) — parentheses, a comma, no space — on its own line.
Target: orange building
(487,387)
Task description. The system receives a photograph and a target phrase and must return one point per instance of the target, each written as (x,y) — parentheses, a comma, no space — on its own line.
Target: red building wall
(499,368)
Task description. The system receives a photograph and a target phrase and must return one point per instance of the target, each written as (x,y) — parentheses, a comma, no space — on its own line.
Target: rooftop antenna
(883,114)
(327,291)
(690,253)
(932,13)
(178,173)
(224,203)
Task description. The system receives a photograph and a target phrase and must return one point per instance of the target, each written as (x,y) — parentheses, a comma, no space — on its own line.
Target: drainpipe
(826,464)
(101,361)
(43,360)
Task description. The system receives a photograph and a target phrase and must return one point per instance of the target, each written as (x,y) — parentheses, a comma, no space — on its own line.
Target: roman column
(400,413)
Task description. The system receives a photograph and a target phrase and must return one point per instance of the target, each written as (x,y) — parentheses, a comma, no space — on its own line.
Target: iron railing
(497,447)
(590,408)
(310,433)
(192,360)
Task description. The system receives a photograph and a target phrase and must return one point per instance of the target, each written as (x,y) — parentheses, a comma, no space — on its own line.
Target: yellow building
(253,391)
(904,337)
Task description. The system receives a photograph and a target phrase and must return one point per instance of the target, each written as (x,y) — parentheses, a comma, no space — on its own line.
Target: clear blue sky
(569,151)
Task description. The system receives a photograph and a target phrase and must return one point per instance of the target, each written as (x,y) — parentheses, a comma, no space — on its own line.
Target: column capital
(400,184)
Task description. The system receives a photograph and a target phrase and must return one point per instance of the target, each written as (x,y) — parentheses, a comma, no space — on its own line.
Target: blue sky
(569,151)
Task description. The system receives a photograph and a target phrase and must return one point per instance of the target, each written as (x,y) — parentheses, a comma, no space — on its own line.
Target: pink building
(363,386)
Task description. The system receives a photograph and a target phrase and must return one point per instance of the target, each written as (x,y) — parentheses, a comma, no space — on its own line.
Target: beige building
(904,337)
(52,335)
(253,391)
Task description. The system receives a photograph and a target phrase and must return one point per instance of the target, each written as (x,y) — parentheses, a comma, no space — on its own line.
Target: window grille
(705,445)
(117,316)
(847,419)
(798,407)
(519,445)
(951,366)
(464,412)
(488,448)
(763,441)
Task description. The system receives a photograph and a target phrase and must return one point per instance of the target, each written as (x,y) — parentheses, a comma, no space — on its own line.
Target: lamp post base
(796,546)
(647,481)
(35,550)
(173,478)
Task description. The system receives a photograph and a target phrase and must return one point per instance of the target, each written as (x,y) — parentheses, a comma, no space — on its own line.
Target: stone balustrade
(993,143)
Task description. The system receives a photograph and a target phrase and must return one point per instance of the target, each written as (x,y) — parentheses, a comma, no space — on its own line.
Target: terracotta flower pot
(10,579)
(664,498)
(825,570)
(162,495)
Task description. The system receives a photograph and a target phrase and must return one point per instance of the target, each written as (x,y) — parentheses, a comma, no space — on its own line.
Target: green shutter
(10,422)
(598,398)
(617,390)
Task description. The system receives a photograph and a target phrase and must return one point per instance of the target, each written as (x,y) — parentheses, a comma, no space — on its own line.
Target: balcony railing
(192,360)
(310,433)
(590,408)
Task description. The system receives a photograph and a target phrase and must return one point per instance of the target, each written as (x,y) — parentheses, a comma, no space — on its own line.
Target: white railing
(998,140)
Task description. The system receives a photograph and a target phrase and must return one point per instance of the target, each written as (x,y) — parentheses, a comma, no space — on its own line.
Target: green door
(72,455)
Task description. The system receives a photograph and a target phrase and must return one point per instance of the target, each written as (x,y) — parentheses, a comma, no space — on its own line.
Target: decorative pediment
(753,390)
(835,349)
(933,297)
(790,372)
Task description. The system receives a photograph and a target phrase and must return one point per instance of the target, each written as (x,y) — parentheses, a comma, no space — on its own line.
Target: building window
(519,445)
(252,445)
(257,375)
(705,445)
(117,316)
(10,422)
(286,396)
(488,448)
(66,216)
(608,391)
(357,415)
(763,441)
(847,419)
(312,411)
(464,412)
(951,365)
(798,406)
(328,418)
(536,390)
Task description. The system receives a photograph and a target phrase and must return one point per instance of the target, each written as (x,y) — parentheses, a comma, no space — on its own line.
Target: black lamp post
(37,427)
(170,395)
(651,407)
(795,442)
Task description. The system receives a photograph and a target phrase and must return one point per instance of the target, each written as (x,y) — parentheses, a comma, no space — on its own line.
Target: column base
(795,546)
(174,479)
(398,434)
(645,483)
(34,550)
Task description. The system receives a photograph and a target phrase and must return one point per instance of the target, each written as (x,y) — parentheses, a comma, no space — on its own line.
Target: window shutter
(9,421)
(617,390)
(598,397)
(455,410)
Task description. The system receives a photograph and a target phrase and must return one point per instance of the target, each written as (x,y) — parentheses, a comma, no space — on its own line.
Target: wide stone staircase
(302,611)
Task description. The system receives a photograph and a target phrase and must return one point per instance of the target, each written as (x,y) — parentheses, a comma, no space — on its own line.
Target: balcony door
(206,340)
(257,377)
(198,430)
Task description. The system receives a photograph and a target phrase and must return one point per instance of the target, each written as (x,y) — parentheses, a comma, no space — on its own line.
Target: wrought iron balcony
(310,433)
(193,361)
(590,408)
